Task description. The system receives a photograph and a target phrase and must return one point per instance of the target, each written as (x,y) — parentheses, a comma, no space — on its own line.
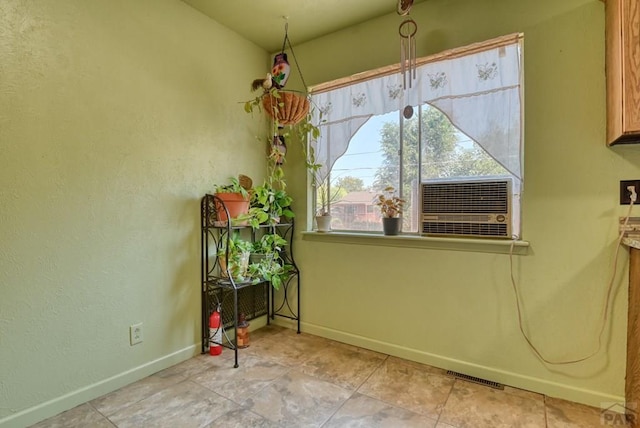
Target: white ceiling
(262,22)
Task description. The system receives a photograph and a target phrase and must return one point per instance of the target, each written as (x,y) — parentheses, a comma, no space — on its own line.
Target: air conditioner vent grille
(476,208)
(466,197)
(465,229)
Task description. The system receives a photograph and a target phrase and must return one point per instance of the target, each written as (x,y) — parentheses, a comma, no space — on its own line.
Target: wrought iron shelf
(252,298)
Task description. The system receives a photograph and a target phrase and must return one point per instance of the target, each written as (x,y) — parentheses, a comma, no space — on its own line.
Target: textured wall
(115,117)
(456,309)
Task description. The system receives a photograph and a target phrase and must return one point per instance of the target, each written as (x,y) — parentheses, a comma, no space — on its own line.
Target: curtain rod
(395,68)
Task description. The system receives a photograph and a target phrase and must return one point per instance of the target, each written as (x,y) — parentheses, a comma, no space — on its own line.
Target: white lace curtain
(478,87)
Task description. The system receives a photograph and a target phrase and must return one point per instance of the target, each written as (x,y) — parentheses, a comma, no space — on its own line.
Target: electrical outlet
(624,192)
(135,334)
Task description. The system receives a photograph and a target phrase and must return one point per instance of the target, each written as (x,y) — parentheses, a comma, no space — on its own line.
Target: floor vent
(468,378)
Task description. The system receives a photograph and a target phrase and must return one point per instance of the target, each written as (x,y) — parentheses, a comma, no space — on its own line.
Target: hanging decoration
(289,107)
(281,70)
(408,30)
(285,107)
(278,149)
(404,6)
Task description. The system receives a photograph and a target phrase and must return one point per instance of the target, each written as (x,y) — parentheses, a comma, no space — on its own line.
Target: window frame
(388,70)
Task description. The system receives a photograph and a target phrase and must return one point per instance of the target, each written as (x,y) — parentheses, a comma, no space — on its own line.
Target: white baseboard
(542,386)
(68,401)
(57,405)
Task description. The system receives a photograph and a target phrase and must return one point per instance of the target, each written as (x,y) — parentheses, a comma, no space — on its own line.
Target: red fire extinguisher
(215,333)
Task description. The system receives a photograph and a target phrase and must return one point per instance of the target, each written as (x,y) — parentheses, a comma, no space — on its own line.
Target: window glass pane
(370,164)
(410,179)
(374,161)
(449,153)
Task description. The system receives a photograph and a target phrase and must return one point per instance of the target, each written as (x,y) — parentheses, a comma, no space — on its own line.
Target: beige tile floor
(289,380)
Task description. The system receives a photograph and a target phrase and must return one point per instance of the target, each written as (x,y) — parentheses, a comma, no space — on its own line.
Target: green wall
(116,116)
(455,309)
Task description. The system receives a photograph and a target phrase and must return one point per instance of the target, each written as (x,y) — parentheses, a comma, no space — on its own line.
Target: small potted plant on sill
(326,194)
(323,216)
(236,197)
(391,207)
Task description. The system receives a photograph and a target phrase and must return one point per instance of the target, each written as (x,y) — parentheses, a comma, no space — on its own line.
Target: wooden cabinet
(632,378)
(623,71)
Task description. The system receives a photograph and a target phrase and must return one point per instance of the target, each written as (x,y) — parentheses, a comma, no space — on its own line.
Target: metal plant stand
(253,298)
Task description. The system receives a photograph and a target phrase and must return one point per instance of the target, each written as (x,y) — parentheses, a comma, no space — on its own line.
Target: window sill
(426,242)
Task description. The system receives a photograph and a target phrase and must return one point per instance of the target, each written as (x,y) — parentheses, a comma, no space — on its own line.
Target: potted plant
(274,270)
(269,204)
(235,196)
(283,106)
(268,246)
(323,216)
(266,261)
(391,207)
(234,260)
(287,113)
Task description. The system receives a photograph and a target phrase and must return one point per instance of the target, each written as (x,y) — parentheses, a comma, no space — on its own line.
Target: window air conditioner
(472,208)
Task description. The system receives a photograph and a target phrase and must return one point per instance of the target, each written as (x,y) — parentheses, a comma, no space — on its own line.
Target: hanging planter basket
(289,109)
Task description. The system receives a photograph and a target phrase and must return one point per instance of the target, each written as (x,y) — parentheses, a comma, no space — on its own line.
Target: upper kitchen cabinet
(623,71)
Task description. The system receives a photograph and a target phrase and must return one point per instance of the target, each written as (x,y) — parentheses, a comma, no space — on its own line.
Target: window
(459,120)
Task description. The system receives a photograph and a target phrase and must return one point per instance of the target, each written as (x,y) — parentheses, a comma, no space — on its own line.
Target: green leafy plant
(304,131)
(269,266)
(269,204)
(234,260)
(273,270)
(269,243)
(234,186)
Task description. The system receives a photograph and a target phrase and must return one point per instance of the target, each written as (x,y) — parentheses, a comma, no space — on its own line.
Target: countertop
(631,242)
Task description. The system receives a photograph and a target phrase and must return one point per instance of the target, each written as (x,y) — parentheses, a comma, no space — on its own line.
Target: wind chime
(407,30)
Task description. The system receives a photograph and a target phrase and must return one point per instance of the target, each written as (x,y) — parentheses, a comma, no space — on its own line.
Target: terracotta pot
(236,204)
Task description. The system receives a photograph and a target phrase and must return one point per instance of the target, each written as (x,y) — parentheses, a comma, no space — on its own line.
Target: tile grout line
(546,419)
(242,406)
(356,390)
(101,414)
(338,409)
(155,392)
(382,363)
(445,402)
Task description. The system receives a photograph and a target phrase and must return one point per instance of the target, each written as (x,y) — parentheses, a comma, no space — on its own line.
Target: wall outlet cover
(135,334)
(624,192)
